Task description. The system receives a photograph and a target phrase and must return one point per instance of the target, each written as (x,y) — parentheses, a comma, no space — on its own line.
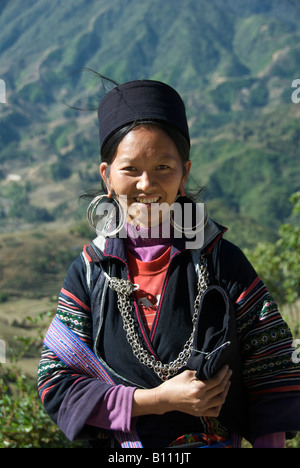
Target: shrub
(23,420)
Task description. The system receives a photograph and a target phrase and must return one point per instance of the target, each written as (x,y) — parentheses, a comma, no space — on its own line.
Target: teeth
(147,200)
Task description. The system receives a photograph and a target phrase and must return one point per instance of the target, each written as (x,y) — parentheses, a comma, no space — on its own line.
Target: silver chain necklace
(124,289)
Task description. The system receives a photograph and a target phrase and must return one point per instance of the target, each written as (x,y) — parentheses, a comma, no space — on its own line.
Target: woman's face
(146,172)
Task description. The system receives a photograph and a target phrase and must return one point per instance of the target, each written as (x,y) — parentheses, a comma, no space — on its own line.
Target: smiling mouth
(147,200)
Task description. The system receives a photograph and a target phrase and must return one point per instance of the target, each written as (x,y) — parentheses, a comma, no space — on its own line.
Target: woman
(191,344)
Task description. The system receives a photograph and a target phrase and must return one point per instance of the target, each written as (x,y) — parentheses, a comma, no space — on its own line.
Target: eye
(129,168)
(162,167)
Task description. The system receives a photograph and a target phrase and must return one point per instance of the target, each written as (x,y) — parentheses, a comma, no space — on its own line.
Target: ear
(187,168)
(103,169)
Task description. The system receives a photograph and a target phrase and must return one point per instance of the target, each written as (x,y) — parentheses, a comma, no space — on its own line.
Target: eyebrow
(130,159)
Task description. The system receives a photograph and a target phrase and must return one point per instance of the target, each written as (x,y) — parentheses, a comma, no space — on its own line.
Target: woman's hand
(186,394)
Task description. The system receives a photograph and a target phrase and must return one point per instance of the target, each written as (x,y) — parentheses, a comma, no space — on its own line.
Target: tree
(278,264)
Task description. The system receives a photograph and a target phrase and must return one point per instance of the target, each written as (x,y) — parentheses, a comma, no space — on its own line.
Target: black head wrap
(141,100)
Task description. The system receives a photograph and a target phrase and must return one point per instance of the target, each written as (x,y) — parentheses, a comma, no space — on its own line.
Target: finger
(221,374)
(218,380)
(218,377)
(219,390)
(219,398)
(214,405)
(214,412)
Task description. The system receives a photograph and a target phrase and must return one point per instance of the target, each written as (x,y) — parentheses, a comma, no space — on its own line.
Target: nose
(145,181)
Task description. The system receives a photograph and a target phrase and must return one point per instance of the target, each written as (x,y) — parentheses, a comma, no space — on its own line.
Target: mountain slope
(232,60)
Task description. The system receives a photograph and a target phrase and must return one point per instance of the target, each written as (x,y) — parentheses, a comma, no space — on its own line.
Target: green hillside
(232,60)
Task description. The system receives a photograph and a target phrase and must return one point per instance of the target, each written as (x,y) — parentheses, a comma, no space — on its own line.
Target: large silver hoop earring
(105,216)
(187,229)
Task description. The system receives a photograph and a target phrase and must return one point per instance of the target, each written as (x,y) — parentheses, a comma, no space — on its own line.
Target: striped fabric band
(76,355)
